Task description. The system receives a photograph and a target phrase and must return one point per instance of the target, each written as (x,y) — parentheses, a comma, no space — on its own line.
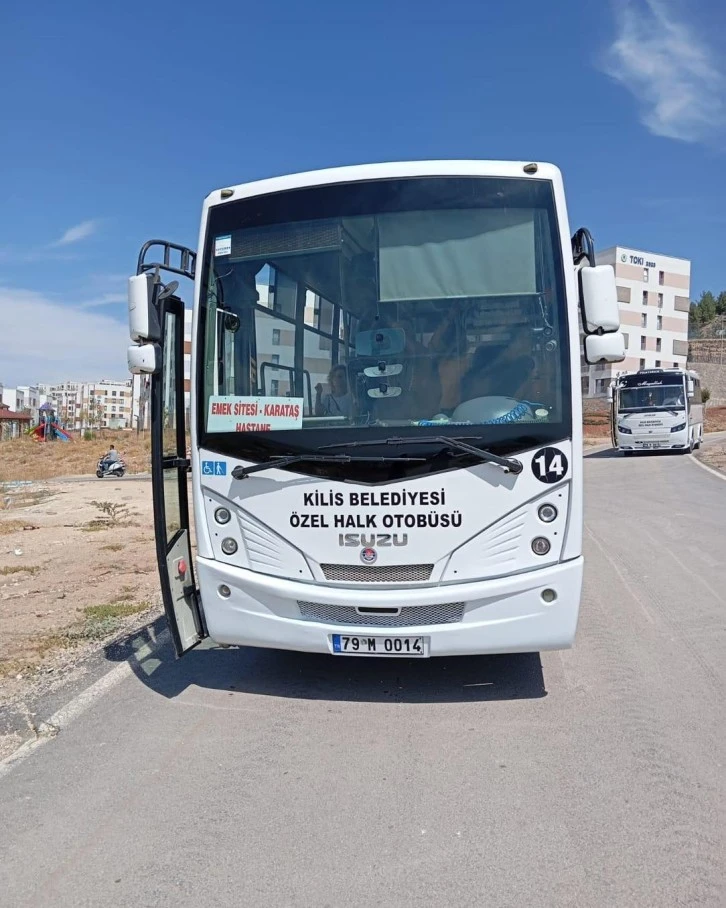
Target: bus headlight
(222,515)
(625,430)
(547,513)
(679,428)
(540,545)
(229,546)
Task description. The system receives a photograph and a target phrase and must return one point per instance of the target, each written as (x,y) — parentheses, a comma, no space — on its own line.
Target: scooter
(115,469)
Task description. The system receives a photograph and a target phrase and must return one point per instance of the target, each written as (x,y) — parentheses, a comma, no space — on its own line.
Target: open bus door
(613,404)
(163,324)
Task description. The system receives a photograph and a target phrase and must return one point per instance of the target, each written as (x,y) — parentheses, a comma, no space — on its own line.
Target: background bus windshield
(396,303)
(667,393)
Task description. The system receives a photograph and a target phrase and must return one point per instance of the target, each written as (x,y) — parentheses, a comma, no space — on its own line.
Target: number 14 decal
(549,465)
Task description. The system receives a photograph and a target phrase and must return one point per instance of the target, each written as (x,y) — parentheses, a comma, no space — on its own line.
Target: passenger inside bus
(338,401)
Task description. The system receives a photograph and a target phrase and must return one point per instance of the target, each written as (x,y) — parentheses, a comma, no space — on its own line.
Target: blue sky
(117,119)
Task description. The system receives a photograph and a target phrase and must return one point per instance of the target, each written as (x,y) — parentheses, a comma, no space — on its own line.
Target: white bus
(657,409)
(386,431)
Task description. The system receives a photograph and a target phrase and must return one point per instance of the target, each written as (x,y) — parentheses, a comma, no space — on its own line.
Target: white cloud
(107,299)
(45,341)
(80,232)
(670,70)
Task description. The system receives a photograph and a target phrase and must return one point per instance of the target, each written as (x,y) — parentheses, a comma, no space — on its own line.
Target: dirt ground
(77,566)
(714,456)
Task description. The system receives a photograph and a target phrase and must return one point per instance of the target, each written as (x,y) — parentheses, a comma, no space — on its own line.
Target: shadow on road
(306,676)
(602,455)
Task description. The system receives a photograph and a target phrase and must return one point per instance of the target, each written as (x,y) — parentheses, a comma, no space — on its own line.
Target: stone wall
(713,377)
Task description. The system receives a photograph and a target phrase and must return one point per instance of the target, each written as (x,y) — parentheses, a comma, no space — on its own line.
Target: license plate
(346,645)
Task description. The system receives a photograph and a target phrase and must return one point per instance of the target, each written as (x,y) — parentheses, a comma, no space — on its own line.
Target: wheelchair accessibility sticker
(214,468)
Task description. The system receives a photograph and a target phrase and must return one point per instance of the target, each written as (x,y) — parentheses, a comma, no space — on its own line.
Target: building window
(626,339)
(601,385)
(642,364)
(623,294)
(113,394)
(657,344)
(660,300)
(642,342)
(645,297)
(276,337)
(675,365)
(644,320)
(275,358)
(659,323)
(661,277)
(646,274)
(657,364)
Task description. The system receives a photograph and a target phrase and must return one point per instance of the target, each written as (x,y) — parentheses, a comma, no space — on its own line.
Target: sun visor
(456,253)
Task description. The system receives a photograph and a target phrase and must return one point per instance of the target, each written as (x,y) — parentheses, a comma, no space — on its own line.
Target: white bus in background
(657,409)
(386,431)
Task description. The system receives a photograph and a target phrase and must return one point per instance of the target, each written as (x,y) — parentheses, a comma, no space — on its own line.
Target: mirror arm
(583,247)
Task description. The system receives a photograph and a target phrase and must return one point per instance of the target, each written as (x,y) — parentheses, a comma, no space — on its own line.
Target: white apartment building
(654,298)
(105,404)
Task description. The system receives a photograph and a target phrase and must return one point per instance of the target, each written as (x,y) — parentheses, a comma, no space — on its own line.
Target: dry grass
(8,527)
(24,459)
(98,623)
(18,569)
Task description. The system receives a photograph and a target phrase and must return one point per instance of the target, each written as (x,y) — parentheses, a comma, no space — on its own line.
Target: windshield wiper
(453,444)
(287,459)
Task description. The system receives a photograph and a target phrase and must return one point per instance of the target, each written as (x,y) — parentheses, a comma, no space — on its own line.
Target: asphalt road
(590,777)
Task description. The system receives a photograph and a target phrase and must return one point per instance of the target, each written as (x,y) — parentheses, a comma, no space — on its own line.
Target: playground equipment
(47,428)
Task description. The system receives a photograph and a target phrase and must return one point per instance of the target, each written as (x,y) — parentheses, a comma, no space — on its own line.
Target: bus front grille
(391,573)
(394,616)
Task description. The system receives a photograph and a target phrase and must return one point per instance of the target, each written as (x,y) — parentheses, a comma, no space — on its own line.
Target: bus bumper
(505,615)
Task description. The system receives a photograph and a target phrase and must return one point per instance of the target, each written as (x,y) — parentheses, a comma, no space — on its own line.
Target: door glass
(172,508)
(169,385)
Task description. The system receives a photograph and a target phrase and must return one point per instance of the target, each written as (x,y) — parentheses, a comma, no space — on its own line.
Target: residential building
(654,299)
(104,404)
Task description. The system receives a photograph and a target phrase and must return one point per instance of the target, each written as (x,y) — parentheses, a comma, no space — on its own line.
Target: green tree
(721,303)
(707,307)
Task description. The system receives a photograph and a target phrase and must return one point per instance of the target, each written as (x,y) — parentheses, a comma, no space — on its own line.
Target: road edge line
(708,469)
(63,717)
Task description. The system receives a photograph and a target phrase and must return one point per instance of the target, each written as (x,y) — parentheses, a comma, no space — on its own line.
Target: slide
(63,436)
(53,431)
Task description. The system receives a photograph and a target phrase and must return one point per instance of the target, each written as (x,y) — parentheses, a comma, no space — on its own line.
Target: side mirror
(604,348)
(599,299)
(143,359)
(143,319)
(691,389)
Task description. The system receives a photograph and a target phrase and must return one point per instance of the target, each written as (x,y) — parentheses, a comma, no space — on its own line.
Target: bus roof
(391,170)
(654,374)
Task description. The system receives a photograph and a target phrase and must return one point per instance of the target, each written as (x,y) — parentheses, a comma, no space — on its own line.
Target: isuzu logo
(368,556)
(368,540)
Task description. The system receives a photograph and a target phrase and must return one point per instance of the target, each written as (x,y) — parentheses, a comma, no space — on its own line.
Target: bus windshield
(658,397)
(363,308)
